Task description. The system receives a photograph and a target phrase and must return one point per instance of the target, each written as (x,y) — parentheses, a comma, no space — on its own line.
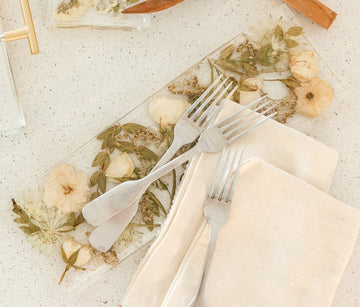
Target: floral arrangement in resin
(271,58)
(51,215)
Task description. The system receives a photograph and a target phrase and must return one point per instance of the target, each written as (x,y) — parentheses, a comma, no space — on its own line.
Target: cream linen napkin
(279,145)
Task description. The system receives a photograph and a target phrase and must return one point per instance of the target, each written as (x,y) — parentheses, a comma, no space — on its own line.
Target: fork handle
(214,232)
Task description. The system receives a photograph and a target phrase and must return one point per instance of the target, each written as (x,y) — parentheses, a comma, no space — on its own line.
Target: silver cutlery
(217,208)
(213,139)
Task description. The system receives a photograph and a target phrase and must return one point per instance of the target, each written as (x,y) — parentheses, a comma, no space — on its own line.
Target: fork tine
(208,99)
(209,118)
(239,135)
(238,120)
(222,176)
(213,180)
(236,178)
(231,117)
(213,104)
(203,95)
(227,183)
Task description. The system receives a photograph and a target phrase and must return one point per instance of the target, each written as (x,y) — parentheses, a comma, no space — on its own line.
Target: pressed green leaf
(100,158)
(94,178)
(147,154)
(126,146)
(105,163)
(157,202)
(94,195)
(102,182)
(279,32)
(295,31)
(132,128)
(291,82)
(63,255)
(19,220)
(290,43)
(78,220)
(113,130)
(72,259)
(29,229)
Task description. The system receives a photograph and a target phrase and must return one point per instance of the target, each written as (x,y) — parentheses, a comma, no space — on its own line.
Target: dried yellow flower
(313,97)
(304,65)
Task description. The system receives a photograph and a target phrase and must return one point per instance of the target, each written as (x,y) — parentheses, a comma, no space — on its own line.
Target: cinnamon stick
(314,10)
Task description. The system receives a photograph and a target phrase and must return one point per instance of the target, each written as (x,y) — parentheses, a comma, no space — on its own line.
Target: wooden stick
(315,10)
(151,6)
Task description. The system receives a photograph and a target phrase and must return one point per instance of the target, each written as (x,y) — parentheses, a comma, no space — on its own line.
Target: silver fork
(213,139)
(191,124)
(187,130)
(217,208)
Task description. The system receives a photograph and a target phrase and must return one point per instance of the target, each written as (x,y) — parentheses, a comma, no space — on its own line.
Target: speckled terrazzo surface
(84,79)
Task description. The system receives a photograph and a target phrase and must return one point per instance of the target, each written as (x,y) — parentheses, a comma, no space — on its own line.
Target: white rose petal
(84,256)
(70,246)
(246,97)
(166,110)
(121,166)
(304,65)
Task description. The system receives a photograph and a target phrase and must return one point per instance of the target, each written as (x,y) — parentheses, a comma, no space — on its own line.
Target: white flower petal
(121,166)
(166,110)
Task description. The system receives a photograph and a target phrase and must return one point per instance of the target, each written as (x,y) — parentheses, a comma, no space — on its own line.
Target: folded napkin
(279,145)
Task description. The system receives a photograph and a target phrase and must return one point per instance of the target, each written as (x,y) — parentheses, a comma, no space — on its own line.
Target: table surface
(84,79)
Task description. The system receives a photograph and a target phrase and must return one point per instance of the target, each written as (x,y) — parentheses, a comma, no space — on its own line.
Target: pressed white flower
(313,97)
(167,111)
(304,65)
(120,166)
(50,220)
(70,247)
(66,189)
(247,97)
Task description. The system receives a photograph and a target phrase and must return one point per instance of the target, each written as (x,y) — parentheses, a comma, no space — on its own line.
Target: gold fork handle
(26,32)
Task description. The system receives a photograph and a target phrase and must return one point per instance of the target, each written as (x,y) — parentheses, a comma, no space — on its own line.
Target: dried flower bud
(304,65)
(167,111)
(85,252)
(121,166)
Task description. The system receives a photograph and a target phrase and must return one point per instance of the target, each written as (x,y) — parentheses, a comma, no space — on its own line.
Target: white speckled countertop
(84,79)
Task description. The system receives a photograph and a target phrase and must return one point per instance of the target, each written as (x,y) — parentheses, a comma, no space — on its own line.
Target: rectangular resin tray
(271,50)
